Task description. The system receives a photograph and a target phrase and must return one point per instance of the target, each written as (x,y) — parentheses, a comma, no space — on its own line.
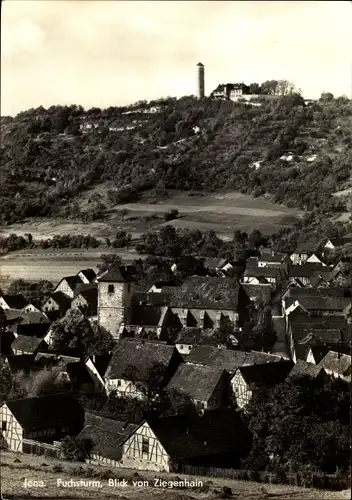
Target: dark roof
(138,354)
(72,281)
(48,360)
(24,343)
(191,436)
(311,269)
(313,292)
(197,381)
(33,329)
(213,263)
(227,359)
(90,274)
(106,435)
(46,411)
(266,374)
(22,362)
(309,246)
(151,298)
(262,272)
(15,301)
(319,351)
(61,300)
(118,274)
(322,303)
(207,293)
(146,315)
(266,255)
(90,295)
(304,369)
(258,292)
(337,242)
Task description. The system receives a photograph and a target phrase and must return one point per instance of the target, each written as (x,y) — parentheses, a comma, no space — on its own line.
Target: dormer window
(111,289)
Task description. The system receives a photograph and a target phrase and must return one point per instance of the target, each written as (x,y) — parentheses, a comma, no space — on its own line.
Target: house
(316,353)
(31,308)
(263,275)
(209,302)
(13,302)
(338,306)
(148,321)
(86,299)
(268,258)
(249,379)
(208,387)
(87,276)
(45,418)
(68,285)
(306,369)
(218,438)
(28,345)
(166,287)
(333,244)
(132,362)
(307,272)
(217,266)
(228,91)
(58,302)
(336,364)
(115,290)
(304,250)
(228,359)
(106,437)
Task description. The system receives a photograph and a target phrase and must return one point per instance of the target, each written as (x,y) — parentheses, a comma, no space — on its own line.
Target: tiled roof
(118,274)
(212,263)
(304,369)
(24,343)
(337,363)
(227,359)
(15,301)
(324,303)
(313,292)
(197,381)
(308,270)
(138,354)
(207,293)
(266,374)
(47,411)
(191,436)
(146,315)
(151,298)
(262,272)
(72,281)
(61,300)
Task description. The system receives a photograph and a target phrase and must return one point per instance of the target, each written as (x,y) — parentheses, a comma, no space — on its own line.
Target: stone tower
(115,289)
(200,80)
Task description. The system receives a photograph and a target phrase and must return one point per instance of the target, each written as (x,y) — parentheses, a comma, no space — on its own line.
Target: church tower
(200,80)
(115,289)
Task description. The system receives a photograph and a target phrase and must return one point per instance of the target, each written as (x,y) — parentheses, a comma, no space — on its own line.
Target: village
(186,338)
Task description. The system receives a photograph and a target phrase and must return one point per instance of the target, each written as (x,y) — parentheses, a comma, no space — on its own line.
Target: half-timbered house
(68,286)
(24,344)
(217,438)
(45,418)
(249,379)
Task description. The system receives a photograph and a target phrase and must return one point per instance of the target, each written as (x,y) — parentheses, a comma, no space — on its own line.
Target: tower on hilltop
(200,80)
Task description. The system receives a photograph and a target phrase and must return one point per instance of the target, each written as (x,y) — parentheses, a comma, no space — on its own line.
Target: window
(119,383)
(111,289)
(3,426)
(145,445)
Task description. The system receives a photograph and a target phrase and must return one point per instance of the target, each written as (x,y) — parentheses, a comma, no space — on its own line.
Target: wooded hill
(295,154)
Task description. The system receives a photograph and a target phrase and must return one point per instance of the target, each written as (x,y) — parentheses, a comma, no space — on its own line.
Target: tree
(108,262)
(75,449)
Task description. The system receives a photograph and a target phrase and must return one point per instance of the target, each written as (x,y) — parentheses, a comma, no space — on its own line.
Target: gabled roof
(266,255)
(262,272)
(197,381)
(90,295)
(138,354)
(319,351)
(28,344)
(61,300)
(200,292)
(15,301)
(313,292)
(151,298)
(46,411)
(308,270)
(90,274)
(304,369)
(322,303)
(189,436)
(227,359)
(337,363)
(72,281)
(266,374)
(118,274)
(337,242)
(213,263)
(48,360)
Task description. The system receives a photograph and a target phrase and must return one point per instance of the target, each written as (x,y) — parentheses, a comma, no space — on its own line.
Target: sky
(110,53)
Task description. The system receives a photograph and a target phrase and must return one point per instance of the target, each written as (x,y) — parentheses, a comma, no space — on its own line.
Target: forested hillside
(296,154)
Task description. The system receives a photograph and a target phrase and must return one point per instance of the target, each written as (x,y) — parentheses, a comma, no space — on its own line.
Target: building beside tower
(200,80)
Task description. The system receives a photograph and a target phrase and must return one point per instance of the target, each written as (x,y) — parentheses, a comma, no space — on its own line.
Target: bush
(74,449)
(171,214)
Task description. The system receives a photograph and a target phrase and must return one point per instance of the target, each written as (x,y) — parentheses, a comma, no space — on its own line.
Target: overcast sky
(106,53)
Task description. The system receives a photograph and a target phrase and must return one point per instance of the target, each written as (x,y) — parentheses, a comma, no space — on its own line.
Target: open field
(16,468)
(222,213)
(52,265)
